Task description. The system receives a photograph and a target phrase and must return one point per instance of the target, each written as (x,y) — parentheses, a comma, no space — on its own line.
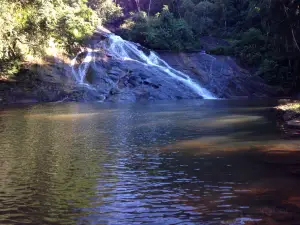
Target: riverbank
(37,83)
(289,113)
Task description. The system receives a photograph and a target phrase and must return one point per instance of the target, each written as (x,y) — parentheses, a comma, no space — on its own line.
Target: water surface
(195,162)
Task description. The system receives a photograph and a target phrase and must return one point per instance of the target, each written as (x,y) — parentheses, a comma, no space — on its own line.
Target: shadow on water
(198,162)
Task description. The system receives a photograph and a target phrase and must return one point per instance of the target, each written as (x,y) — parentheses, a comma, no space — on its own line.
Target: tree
(29,26)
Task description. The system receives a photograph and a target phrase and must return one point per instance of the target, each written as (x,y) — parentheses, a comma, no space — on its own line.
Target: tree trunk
(150,1)
(138,5)
(292,30)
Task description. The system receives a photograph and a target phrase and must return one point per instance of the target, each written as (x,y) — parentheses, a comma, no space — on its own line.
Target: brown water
(198,162)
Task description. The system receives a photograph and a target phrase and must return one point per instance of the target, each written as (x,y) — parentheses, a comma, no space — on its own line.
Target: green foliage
(29,27)
(162,31)
(275,71)
(268,69)
(222,51)
(266,33)
(250,48)
(106,10)
(253,36)
(10,67)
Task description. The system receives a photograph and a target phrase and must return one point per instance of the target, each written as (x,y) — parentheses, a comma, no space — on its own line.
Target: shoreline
(289,113)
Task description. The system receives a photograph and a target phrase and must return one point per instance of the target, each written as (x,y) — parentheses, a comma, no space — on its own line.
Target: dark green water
(160,163)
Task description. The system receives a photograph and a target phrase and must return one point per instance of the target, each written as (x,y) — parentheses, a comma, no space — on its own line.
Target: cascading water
(81,71)
(116,47)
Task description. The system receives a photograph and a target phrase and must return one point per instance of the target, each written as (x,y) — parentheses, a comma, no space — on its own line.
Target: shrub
(162,31)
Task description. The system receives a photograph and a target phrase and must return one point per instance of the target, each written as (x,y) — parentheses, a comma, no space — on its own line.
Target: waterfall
(116,47)
(81,71)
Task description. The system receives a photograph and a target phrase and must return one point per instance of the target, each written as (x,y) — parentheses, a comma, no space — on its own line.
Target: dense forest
(263,35)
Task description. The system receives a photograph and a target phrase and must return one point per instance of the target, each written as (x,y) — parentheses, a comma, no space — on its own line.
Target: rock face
(126,72)
(32,87)
(128,80)
(119,70)
(220,74)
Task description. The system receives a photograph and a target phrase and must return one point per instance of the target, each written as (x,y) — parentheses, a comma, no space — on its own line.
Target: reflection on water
(199,162)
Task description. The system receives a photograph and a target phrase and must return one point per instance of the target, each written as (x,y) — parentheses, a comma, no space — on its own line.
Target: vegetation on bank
(162,31)
(290,113)
(32,29)
(265,35)
(295,107)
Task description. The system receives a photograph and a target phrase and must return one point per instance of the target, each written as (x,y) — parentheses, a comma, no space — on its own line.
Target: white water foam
(117,47)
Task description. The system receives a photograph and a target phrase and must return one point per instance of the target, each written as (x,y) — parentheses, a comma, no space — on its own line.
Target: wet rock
(151,84)
(115,71)
(113,77)
(124,96)
(143,76)
(220,74)
(135,81)
(289,115)
(114,91)
(295,123)
(145,50)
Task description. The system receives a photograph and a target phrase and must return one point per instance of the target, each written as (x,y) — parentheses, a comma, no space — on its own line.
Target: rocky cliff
(220,74)
(123,71)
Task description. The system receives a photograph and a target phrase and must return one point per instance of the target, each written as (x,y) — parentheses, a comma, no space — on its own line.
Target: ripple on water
(168,164)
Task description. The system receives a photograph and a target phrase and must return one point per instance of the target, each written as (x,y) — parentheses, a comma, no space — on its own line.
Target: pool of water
(186,162)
